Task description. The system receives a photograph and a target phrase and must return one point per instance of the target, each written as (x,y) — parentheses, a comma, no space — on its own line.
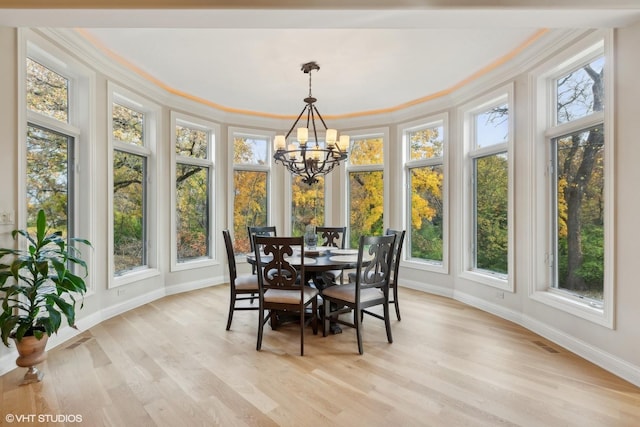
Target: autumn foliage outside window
(426,177)
(366,190)
(193,173)
(250,189)
(129,190)
(49,152)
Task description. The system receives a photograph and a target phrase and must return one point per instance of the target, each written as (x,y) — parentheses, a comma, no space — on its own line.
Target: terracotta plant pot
(31,352)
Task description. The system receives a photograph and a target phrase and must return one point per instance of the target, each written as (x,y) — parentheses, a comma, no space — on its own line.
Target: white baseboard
(191,286)
(425,287)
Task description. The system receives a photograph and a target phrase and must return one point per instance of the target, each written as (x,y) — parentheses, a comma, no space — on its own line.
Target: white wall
(617,350)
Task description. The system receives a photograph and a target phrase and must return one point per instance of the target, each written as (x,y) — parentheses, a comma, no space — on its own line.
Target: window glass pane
(48,180)
(581,92)
(366,198)
(580,212)
(491,209)
(191,142)
(128,125)
(492,126)
(426,206)
(307,204)
(192,211)
(426,143)
(366,152)
(249,205)
(250,150)
(128,211)
(47,92)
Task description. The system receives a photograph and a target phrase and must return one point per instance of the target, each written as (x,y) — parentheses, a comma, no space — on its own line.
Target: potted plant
(37,288)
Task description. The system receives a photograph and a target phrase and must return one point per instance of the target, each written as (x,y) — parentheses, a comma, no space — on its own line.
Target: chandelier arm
(296,122)
(313,122)
(320,116)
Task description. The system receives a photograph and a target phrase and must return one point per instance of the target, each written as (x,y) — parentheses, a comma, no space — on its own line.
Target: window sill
(575,306)
(193,264)
(418,264)
(495,280)
(134,276)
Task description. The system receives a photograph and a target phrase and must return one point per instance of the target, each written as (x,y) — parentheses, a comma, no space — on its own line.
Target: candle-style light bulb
(303,136)
(279,143)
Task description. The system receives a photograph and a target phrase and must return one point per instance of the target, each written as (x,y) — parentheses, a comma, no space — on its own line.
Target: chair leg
(358,324)
(314,319)
(395,301)
(302,332)
(232,304)
(387,322)
(325,326)
(261,321)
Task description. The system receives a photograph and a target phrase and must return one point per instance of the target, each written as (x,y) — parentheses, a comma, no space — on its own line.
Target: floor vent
(545,347)
(79,342)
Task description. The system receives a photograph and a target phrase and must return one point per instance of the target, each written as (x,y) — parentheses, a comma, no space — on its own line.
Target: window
(424,153)
(50,152)
(365,187)
(58,141)
(488,189)
(577,184)
(573,153)
(133,196)
(251,168)
(307,204)
(193,141)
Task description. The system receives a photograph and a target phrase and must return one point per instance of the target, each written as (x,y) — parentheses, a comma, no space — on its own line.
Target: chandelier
(305,159)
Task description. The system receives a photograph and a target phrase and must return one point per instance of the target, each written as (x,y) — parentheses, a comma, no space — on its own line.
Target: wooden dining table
(319,260)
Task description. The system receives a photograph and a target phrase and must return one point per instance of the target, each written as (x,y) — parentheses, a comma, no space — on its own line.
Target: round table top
(323,259)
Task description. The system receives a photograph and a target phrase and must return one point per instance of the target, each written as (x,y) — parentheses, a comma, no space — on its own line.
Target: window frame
(151,111)
(234,132)
(467,113)
(408,165)
(349,168)
(80,126)
(544,130)
(213,131)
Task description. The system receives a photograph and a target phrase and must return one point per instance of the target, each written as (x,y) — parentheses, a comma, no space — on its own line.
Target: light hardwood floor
(171,363)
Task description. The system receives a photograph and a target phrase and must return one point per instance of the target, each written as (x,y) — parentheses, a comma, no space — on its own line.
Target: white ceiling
(369,59)
(361,69)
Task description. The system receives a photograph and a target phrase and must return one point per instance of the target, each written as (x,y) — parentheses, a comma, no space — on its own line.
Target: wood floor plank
(172,362)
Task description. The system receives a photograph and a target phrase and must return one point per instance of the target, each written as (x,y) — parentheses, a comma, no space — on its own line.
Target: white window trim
(542,131)
(126,98)
(213,131)
(467,112)
(272,198)
(384,167)
(81,125)
(403,130)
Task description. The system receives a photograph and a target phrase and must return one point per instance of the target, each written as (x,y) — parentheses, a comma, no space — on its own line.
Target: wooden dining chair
(334,237)
(371,288)
(280,287)
(397,256)
(243,287)
(266,230)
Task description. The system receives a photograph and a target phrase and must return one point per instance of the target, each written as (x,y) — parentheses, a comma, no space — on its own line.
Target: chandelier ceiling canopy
(305,158)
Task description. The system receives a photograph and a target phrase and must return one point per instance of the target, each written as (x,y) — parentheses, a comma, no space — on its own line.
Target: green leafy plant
(35,282)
